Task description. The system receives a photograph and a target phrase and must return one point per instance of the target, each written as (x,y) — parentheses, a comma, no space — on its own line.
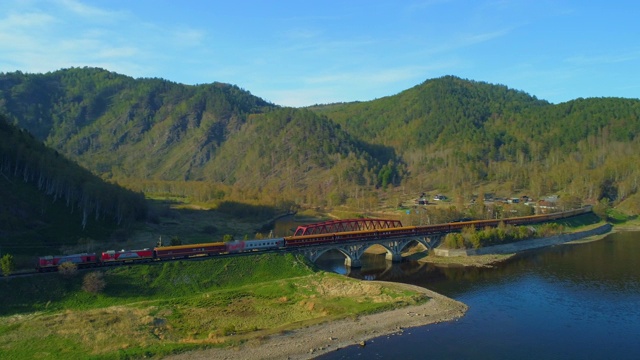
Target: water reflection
(572,301)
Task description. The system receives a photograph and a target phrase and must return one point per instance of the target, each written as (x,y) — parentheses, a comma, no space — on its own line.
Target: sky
(299,53)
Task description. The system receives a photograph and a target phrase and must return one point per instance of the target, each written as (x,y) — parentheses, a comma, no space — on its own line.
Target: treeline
(24,159)
(472,238)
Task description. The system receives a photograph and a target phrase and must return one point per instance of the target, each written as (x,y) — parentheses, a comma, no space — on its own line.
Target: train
(160,253)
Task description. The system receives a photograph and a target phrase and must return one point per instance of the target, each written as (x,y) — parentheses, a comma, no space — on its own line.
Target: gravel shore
(312,341)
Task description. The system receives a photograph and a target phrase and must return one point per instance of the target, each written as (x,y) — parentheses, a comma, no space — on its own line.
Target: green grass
(159,309)
(578,222)
(618,217)
(53,292)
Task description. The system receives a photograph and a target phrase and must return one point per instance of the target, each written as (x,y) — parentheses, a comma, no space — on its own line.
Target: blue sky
(299,53)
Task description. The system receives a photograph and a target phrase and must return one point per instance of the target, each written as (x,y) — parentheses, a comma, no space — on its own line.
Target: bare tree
(67,269)
(93,282)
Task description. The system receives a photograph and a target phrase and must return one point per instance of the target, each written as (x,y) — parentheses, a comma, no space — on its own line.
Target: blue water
(566,302)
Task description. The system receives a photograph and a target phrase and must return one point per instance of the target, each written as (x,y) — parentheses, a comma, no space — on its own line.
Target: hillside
(439,111)
(122,128)
(447,134)
(49,201)
(459,136)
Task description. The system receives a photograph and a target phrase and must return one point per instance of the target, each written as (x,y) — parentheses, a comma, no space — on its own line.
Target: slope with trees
(44,194)
(456,134)
(450,134)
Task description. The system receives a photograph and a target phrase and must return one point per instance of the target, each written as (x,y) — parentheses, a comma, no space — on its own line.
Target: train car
(255,245)
(525,220)
(395,232)
(432,229)
(122,256)
(51,262)
(318,239)
(186,251)
(305,240)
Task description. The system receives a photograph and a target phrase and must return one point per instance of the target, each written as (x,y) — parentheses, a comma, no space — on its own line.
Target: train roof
(188,246)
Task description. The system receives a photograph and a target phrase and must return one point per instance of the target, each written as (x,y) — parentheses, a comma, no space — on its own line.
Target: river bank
(515,247)
(312,341)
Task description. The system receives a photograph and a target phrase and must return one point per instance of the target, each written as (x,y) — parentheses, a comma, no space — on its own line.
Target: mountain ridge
(445,133)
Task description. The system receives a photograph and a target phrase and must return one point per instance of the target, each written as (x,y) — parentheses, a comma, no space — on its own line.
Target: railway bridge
(353,250)
(353,237)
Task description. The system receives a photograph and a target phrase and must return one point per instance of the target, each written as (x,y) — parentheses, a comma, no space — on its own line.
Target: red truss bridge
(336,226)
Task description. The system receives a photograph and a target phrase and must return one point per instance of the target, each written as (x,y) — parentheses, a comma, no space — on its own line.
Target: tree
(568,202)
(93,282)
(601,208)
(227,238)
(7,264)
(175,241)
(67,269)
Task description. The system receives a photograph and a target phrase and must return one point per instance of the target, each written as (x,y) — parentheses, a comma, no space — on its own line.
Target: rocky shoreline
(312,341)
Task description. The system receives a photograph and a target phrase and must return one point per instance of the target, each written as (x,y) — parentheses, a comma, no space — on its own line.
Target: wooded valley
(215,143)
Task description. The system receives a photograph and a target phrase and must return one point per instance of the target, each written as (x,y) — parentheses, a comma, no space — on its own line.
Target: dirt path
(309,342)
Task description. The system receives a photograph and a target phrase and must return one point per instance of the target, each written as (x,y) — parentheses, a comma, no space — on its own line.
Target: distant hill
(122,128)
(439,111)
(454,135)
(49,201)
(459,135)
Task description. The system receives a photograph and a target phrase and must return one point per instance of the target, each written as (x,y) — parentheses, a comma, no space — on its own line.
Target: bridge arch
(353,250)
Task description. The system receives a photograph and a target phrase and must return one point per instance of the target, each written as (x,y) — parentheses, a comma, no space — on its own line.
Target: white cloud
(603,58)
(26,21)
(187,37)
(93,13)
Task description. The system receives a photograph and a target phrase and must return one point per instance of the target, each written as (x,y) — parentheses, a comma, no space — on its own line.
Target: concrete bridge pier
(352,263)
(393,257)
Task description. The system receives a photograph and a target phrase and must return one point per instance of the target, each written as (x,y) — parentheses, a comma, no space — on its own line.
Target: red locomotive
(112,256)
(51,263)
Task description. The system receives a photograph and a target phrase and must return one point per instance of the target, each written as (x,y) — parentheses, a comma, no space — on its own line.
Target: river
(574,301)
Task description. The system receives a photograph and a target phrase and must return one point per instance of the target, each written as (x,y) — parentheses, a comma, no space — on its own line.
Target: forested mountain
(458,134)
(151,129)
(446,134)
(118,126)
(44,195)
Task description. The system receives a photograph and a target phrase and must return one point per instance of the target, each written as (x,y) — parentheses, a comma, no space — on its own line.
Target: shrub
(67,269)
(93,282)
(454,241)
(7,264)
(229,330)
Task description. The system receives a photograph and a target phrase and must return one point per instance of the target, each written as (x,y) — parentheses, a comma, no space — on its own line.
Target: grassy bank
(154,310)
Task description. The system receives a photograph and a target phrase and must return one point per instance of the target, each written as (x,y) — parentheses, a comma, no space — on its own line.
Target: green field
(159,309)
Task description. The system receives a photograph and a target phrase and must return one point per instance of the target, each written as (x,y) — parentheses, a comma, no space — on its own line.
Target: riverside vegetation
(160,309)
